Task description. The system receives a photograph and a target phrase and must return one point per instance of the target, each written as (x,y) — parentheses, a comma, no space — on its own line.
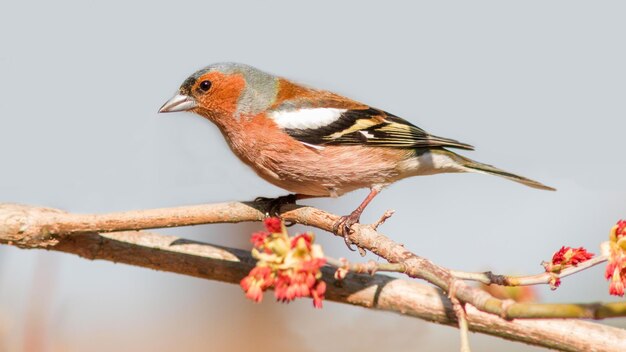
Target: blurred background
(537,87)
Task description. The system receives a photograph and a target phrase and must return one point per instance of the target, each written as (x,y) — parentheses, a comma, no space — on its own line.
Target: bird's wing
(345,122)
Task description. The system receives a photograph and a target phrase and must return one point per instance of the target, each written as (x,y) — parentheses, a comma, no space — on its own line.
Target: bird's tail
(474,166)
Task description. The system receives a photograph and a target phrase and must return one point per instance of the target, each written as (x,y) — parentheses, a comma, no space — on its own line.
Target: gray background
(538,87)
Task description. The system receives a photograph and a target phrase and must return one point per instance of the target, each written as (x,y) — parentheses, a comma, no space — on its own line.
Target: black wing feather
(373,127)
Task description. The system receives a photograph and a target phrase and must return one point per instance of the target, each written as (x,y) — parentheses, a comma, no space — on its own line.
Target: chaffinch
(315,143)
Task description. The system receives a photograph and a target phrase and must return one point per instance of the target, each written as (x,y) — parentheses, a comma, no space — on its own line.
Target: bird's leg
(273,205)
(342,226)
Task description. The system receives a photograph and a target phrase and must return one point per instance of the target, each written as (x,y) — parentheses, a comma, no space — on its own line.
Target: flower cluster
(564,258)
(290,264)
(616,268)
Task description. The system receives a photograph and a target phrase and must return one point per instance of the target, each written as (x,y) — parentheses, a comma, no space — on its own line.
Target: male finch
(315,143)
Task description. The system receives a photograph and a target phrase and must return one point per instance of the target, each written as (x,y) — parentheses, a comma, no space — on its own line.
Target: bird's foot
(343,227)
(272,205)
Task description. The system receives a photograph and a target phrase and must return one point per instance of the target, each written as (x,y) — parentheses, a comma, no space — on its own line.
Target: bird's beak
(179,102)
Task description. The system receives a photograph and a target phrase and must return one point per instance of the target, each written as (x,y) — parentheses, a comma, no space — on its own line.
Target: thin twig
(461,316)
(386,215)
(489,278)
(370,267)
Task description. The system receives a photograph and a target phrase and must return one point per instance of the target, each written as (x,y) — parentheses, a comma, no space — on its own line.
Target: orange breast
(298,168)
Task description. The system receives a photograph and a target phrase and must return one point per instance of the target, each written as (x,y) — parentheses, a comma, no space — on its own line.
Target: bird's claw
(343,227)
(273,205)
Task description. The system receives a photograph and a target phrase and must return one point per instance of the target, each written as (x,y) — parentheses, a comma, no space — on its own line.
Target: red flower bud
(616,266)
(308,240)
(621,229)
(258,238)
(256,282)
(273,225)
(570,256)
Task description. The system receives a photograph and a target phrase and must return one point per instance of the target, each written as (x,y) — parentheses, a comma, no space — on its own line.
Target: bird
(315,143)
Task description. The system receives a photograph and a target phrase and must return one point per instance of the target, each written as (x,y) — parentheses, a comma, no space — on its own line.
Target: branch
(489,278)
(461,316)
(381,292)
(486,277)
(27,226)
(32,227)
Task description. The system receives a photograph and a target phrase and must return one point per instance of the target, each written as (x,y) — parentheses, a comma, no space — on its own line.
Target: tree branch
(489,278)
(32,227)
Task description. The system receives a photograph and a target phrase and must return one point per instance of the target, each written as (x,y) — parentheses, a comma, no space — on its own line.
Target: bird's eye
(205,86)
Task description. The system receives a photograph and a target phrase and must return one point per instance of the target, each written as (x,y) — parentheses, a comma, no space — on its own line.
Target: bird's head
(225,90)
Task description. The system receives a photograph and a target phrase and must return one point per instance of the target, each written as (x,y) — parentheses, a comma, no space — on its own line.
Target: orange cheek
(224,93)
